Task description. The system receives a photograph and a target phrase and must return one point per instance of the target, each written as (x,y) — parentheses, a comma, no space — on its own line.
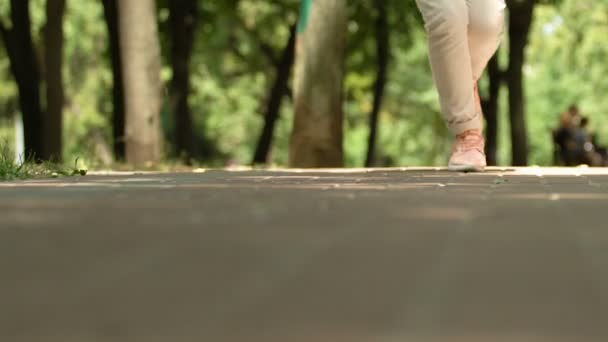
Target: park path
(319,255)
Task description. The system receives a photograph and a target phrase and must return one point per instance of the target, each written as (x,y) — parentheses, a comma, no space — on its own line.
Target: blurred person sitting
(564,137)
(573,114)
(600,149)
(585,150)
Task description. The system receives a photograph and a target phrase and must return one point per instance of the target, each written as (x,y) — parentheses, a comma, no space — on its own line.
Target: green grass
(12,170)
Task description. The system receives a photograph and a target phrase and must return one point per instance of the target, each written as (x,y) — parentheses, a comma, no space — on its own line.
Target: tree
(183,18)
(53,61)
(490,109)
(521,13)
(277,93)
(140,51)
(382,59)
(24,66)
(110,8)
(316,139)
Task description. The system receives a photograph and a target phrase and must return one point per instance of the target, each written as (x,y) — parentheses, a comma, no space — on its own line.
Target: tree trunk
(278,91)
(383,56)
(316,140)
(490,110)
(118,117)
(140,51)
(183,18)
(53,59)
(520,20)
(25,68)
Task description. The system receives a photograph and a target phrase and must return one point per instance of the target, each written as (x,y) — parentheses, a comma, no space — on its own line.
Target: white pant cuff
(460,127)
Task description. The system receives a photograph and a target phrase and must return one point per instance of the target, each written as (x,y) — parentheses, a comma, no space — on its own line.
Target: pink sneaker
(468,154)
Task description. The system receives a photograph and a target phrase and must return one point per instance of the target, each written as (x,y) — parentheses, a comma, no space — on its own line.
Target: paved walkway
(359,255)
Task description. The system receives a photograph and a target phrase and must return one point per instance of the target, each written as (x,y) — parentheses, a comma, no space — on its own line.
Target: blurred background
(69,86)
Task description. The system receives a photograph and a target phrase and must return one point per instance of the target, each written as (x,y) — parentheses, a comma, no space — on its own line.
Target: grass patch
(13,170)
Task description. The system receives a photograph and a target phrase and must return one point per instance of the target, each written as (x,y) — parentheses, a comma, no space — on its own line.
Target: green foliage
(233,69)
(87,78)
(11,169)
(566,65)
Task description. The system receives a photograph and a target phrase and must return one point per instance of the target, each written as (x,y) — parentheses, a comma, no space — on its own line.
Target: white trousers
(463,35)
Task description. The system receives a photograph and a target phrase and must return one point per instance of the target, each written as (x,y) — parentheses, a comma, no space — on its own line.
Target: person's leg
(486,28)
(446,23)
(463,35)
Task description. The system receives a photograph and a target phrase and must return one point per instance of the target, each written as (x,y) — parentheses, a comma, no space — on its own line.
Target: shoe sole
(466,168)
